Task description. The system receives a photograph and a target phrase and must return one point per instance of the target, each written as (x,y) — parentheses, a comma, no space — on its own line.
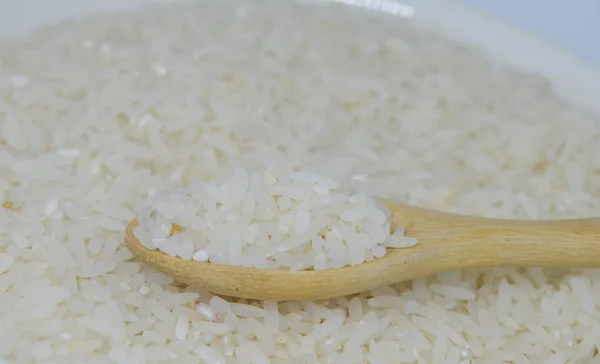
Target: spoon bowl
(446,242)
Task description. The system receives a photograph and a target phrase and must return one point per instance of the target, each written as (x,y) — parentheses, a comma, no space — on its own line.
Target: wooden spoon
(446,242)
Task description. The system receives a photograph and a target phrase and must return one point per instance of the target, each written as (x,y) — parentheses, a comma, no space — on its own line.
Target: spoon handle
(465,241)
(550,244)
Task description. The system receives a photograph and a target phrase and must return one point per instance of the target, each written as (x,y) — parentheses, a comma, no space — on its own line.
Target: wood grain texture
(446,242)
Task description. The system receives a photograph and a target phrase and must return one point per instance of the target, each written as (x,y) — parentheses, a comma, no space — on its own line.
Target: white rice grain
(182,326)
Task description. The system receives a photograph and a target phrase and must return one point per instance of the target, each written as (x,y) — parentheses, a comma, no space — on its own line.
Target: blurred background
(574,24)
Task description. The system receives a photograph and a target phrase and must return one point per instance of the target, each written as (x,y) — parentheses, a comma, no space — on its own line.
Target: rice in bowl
(97,114)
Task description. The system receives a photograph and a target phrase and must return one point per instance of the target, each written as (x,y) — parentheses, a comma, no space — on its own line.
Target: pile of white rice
(96,114)
(269,220)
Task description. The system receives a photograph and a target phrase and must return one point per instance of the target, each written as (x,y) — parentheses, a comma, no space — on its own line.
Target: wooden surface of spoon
(446,242)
